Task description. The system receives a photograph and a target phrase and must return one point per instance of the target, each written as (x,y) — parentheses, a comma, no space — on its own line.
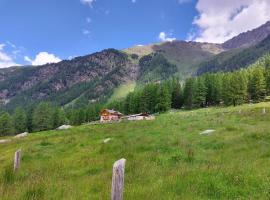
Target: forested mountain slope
(94,77)
(236,58)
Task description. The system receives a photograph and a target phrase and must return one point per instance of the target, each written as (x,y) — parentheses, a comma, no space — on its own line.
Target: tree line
(211,89)
(44,117)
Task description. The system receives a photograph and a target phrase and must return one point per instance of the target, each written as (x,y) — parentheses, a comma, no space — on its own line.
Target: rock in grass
(64,127)
(21,135)
(5,141)
(207,132)
(107,140)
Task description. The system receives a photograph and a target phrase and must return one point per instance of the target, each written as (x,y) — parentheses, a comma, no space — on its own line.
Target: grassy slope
(122,91)
(166,158)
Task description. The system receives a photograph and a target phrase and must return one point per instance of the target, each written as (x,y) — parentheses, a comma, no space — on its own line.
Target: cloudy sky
(35,32)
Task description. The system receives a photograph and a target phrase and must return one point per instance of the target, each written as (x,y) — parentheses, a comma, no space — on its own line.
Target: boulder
(5,141)
(64,127)
(21,135)
(207,132)
(107,140)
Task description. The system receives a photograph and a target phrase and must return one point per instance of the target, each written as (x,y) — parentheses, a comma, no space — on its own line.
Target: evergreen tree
(213,84)
(189,91)
(163,99)
(19,120)
(200,92)
(6,125)
(177,97)
(257,84)
(43,117)
(235,88)
(59,117)
(29,119)
(267,73)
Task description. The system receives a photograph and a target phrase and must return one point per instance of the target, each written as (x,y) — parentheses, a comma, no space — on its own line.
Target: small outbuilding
(141,116)
(107,115)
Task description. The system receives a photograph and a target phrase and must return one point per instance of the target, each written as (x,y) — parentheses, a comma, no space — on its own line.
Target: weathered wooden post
(17,160)
(118,179)
(263,111)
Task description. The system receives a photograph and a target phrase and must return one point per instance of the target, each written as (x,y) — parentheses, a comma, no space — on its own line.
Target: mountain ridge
(94,77)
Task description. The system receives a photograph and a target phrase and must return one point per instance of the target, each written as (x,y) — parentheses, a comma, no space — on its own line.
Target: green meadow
(166,158)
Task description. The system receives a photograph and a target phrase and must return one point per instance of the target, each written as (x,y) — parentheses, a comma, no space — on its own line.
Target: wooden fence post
(263,111)
(118,179)
(17,160)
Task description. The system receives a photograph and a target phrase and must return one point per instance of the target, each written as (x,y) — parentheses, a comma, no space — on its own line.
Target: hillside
(236,58)
(185,55)
(248,38)
(89,77)
(96,77)
(166,158)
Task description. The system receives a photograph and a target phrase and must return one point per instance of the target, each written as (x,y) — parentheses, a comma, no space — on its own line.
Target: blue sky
(40,31)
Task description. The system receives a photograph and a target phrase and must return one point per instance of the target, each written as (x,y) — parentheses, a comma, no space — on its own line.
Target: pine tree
(163,99)
(239,87)
(19,120)
(189,91)
(43,117)
(29,119)
(213,84)
(177,97)
(257,84)
(6,125)
(59,117)
(267,73)
(200,92)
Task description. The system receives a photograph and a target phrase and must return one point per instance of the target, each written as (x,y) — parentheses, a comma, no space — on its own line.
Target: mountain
(248,38)
(94,77)
(241,51)
(185,55)
(89,76)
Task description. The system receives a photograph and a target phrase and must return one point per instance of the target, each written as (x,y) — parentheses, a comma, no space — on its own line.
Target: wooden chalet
(107,115)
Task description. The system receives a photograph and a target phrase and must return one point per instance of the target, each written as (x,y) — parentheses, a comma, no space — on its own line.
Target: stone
(5,141)
(64,127)
(107,140)
(207,132)
(21,135)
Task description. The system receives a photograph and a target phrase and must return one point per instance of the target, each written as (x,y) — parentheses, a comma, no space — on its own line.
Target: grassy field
(166,158)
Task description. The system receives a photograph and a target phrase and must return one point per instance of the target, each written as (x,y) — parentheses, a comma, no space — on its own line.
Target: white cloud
(2,46)
(133,1)
(86,32)
(219,21)
(43,58)
(27,59)
(163,37)
(88,2)
(6,60)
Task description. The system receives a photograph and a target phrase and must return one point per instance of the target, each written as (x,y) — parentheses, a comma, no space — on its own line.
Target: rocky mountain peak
(248,38)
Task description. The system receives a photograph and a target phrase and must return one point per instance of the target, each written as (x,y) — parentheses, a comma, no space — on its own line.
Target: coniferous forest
(249,85)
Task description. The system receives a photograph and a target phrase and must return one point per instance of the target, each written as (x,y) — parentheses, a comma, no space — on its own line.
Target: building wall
(135,118)
(108,118)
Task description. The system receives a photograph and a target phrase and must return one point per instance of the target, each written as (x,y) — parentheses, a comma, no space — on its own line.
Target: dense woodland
(217,89)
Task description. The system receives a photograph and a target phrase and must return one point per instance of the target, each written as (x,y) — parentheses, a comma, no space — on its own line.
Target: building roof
(140,114)
(112,112)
